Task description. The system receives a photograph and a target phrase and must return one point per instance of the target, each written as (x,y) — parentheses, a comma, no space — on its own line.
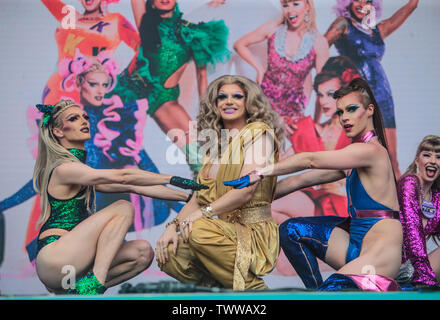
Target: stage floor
(267,295)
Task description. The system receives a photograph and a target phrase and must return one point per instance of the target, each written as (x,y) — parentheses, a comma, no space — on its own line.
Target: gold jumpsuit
(234,250)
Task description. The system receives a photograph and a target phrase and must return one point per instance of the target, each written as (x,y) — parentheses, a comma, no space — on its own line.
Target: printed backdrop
(29,56)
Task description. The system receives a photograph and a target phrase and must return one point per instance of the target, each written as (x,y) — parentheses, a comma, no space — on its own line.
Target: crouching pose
(228,237)
(364,248)
(78,252)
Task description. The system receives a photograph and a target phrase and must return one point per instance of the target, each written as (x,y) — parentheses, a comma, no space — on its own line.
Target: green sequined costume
(181,41)
(67,214)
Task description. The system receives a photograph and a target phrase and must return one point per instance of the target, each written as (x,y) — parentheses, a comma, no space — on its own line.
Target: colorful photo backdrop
(45,55)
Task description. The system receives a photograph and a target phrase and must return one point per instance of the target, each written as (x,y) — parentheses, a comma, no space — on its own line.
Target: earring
(307,17)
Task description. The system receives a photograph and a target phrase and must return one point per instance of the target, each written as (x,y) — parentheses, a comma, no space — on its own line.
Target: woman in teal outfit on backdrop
(169,43)
(79,253)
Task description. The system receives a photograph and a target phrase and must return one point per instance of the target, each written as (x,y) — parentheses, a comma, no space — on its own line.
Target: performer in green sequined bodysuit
(92,246)
(168,44)
(65,213)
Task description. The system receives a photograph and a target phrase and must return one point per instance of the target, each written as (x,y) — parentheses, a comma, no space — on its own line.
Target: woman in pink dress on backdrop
(295,47)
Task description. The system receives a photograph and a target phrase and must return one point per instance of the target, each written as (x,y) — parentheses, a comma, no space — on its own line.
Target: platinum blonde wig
(51,154)
(311,23)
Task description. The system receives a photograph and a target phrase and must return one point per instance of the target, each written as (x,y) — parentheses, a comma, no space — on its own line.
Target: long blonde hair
(429,143)
(258,107)
(51,154)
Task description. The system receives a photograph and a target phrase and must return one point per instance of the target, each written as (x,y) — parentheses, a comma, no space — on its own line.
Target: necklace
(306,46)
(427,207)
(367,136)
(362,28)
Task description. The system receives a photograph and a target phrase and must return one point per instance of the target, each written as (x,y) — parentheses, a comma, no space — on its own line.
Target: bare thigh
(380,252)
(77,248)
(171,115)
(337,248)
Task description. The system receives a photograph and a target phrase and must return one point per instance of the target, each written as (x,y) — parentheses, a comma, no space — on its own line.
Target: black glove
(186,183)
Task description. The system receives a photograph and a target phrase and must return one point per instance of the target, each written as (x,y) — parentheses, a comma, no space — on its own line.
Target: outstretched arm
(336,30)
(56,8)
(305,180)
(128,33)
(75,173)
(26,192)
(158,192)
(357,155)
(388,26)
(241,46)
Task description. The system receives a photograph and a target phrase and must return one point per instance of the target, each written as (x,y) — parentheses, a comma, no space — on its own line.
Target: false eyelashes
(223,96)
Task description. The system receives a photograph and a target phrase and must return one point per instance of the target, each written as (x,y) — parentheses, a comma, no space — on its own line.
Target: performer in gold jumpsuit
(227,236)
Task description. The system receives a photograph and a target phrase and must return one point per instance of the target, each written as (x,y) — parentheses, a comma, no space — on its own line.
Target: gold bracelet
(207,211)
(174,221)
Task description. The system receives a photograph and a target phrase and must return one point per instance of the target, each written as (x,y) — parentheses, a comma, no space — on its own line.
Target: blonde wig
(258,107)
(51,154)
(311,23)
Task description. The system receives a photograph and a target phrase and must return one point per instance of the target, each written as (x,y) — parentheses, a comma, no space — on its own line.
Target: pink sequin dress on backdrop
(283,81)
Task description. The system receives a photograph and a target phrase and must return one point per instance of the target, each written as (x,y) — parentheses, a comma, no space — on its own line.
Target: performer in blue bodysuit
(371,235)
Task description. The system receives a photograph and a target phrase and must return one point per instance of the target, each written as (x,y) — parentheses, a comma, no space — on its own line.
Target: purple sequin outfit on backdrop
(414,234)
(283,82)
